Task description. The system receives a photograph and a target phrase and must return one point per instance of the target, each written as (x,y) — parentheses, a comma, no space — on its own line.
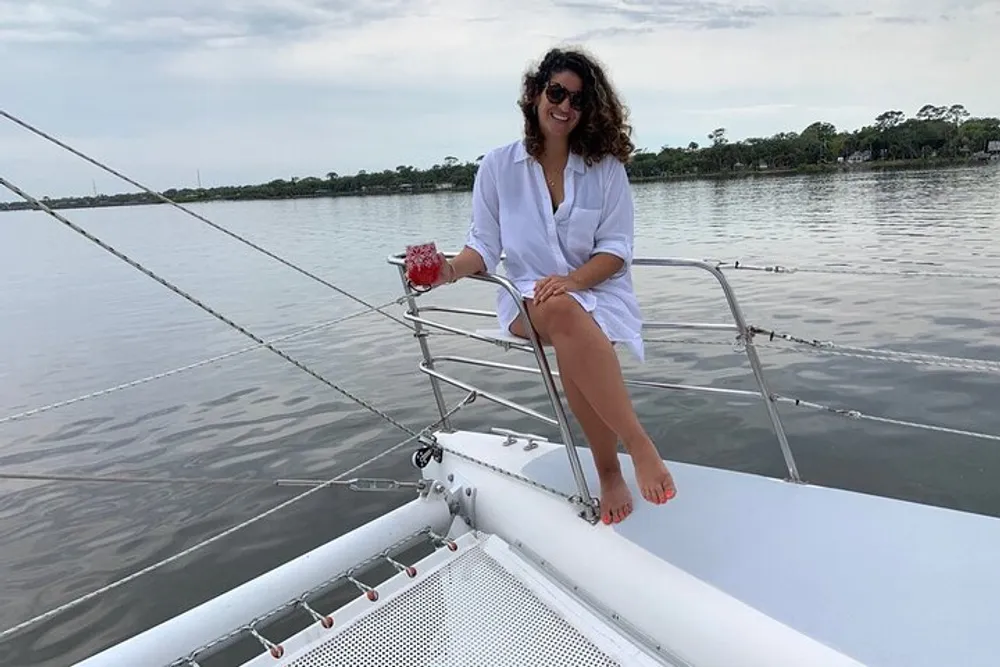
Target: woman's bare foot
(651,474)
(616,499)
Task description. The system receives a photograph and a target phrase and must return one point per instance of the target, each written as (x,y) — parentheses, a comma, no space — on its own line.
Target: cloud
(249,90)
(164,23)
(689,13)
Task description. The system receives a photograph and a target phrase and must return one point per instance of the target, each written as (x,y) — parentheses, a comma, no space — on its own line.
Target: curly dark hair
(603,128)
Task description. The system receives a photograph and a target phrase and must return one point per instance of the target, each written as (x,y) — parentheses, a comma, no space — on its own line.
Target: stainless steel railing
(429,365)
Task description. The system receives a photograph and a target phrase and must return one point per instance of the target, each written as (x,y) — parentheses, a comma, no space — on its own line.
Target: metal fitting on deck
(275,650)
(369,592)
(441,540)
(408,569)
(325,621)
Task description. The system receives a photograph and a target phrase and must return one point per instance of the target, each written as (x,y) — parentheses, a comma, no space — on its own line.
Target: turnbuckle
(357,483)
(376,484)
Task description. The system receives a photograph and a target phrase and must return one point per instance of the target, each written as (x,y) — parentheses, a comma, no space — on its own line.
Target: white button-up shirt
(512,214)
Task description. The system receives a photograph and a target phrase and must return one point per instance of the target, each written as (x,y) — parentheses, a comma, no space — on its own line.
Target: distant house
(993,146)
(859,156)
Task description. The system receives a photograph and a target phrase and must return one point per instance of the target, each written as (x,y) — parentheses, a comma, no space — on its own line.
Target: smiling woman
(558,202)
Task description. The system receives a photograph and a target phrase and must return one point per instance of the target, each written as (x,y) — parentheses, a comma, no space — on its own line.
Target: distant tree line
(936,135)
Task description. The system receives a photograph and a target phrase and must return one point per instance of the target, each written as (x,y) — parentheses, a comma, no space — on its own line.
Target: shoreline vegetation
(936,137)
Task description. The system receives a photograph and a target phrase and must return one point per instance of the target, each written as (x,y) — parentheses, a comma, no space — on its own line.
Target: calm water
(75,320)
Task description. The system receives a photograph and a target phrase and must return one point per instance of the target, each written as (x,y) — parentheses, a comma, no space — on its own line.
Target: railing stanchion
(420,334)
(751,351)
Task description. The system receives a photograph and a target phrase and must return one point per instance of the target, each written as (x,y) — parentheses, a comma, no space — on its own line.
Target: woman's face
(561,104)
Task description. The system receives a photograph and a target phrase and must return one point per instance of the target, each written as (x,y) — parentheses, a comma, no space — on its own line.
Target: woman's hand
(447,273)
(551,286)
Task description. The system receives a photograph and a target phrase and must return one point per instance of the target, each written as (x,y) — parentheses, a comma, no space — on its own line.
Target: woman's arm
(614,238)
(466,263)
(481,253)
(598,268)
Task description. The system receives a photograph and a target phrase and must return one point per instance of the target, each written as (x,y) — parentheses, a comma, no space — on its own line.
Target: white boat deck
(889,583)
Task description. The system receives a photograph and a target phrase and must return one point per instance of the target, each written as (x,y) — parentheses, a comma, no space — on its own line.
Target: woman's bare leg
(616,499)
(588,362)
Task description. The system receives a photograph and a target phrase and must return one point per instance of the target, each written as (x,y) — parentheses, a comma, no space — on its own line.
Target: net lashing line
(302,600)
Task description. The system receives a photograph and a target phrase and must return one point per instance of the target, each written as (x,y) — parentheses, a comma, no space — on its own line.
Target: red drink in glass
(423,263)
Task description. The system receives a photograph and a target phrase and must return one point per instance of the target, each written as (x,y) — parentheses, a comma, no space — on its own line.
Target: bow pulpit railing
(417,315)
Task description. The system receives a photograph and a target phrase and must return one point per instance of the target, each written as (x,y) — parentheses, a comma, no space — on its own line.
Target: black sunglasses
(556,93)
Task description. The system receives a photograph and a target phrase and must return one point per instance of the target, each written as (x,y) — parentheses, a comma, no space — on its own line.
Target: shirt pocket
(582,231)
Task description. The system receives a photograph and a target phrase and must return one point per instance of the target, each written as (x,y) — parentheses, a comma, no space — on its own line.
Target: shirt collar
(575,161)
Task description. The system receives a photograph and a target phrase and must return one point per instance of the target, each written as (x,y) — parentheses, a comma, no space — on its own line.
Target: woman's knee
(557,315)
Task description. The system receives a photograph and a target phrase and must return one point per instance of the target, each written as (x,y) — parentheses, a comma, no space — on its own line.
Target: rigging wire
(357,484)
(167,200)
(229,531)
(189,367)
(857,414)
(871,352)
(170,559)
(833,270)
(219,316)
(835,349)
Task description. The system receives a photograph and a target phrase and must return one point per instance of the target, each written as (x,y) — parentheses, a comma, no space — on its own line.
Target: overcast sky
(251,90)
